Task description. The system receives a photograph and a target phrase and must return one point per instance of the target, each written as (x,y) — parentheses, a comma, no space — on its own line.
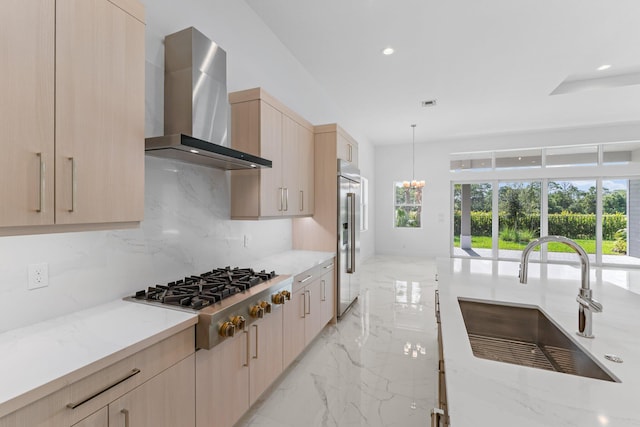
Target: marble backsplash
(186,230)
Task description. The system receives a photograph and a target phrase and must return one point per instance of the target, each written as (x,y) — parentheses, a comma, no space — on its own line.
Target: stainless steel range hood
(196,108)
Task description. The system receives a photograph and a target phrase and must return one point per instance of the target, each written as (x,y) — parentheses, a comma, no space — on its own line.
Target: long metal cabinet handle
(301,200)
(246,333)
(304,305)
(130,374)
(324,290)
(256,355)
(125,412)
(74,184)
(351,206)
(350,153)
(286,199)
(42,183)
(280,189)
(308,293)
(326,267)
(305,279)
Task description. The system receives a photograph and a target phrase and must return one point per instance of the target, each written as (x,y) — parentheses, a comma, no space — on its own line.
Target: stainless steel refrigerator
(348,235)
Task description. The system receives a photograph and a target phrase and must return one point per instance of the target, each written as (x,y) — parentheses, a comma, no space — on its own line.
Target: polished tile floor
(376,367)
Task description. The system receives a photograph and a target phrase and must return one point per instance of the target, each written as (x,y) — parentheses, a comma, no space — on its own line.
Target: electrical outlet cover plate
(38,276)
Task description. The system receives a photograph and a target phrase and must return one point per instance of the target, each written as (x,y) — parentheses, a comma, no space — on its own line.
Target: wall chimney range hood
(196,106)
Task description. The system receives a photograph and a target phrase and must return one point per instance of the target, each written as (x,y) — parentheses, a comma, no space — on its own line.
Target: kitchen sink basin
(526,336)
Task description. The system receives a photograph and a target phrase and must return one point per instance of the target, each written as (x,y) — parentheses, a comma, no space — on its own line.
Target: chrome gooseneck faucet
(586,305)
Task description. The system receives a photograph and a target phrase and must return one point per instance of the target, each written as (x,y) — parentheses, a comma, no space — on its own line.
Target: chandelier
(413,183)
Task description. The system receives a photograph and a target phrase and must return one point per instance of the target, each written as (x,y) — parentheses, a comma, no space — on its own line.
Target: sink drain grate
(510,351)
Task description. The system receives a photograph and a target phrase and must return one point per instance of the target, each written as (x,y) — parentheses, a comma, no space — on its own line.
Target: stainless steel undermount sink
(526,336)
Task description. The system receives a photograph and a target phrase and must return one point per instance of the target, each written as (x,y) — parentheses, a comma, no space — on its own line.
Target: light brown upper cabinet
(74,86)
(262,126)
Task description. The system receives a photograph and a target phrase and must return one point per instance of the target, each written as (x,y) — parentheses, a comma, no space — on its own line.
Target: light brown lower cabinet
(310,309)
(222,383)
(166,400)
(265,345)
(233,374)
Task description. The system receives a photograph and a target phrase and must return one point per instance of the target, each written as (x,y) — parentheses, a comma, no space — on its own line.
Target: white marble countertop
(40,359)
(483,392)
(292,262)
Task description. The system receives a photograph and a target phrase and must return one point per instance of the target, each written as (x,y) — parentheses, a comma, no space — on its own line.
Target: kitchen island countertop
(483,392)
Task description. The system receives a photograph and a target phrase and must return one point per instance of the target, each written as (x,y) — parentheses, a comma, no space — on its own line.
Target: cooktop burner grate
(200,291)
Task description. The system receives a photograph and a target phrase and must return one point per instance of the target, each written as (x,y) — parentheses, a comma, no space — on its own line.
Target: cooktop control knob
(266,306)
(227,329)
(256,311)
(238,322)
(278,298)
(286,294)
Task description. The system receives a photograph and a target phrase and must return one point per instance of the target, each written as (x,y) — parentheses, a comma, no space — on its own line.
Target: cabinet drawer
(97,390)
(303,279)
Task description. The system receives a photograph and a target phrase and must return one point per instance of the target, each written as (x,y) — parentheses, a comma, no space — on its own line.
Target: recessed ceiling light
(387,51)
(604,67)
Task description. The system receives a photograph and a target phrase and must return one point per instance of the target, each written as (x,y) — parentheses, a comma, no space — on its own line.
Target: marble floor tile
(376,367)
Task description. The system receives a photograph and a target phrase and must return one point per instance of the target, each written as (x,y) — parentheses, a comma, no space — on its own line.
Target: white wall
(393,163)
(186,228)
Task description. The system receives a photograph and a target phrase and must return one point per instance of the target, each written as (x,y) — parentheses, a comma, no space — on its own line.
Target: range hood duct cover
(196,106)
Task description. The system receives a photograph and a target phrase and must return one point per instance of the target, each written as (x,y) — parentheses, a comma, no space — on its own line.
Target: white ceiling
(491,65)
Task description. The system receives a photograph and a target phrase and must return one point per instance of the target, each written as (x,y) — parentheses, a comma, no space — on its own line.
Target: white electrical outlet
(247,240)
(38,276)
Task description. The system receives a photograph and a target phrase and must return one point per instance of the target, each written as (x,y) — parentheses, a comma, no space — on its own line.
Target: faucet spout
(586,305)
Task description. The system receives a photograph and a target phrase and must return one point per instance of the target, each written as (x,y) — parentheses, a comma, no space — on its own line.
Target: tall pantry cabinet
(72,113)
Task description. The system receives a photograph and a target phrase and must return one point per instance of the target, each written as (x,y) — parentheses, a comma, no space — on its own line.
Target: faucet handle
(589,303)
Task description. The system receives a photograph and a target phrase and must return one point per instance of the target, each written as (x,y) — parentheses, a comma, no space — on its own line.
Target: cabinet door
(271,188)
(327,296)
(97,419)
(290,164)
(27,112)
(293,327)
(99,113)
(313,315)
(166,400)
(305,171)
(347,150)
(222,384)
(265,363)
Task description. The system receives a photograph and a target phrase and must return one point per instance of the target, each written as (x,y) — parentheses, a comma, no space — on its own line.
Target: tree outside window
(408,204)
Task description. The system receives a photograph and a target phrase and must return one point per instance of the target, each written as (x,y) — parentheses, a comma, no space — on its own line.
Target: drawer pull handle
(326,267)
(130,374)
(305,279)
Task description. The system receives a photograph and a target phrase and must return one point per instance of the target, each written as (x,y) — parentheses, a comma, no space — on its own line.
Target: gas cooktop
(227,300)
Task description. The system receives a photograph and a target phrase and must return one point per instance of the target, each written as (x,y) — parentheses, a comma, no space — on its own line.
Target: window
(364,204)
(408,204)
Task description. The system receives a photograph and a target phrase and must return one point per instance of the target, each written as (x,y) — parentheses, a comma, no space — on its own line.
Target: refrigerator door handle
(351,254)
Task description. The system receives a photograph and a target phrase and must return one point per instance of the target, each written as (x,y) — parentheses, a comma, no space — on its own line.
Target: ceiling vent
(429,103)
